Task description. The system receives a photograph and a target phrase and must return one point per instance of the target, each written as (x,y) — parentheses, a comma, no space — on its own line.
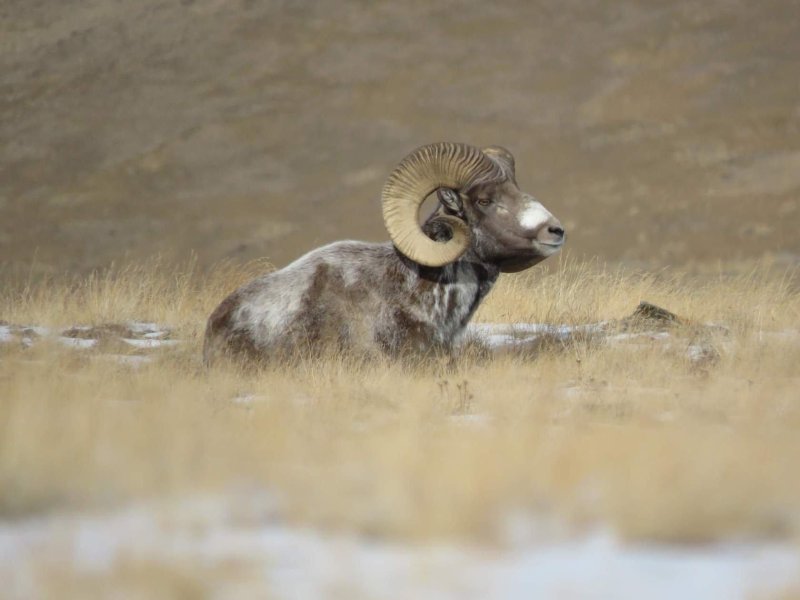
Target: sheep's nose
(551,233)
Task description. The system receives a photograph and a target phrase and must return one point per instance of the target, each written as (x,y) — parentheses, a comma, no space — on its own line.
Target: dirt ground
(660,133)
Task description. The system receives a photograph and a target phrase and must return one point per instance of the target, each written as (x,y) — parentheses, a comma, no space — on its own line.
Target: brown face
(510,228)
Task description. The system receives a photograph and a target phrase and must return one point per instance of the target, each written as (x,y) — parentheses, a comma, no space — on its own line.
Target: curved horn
(423,171)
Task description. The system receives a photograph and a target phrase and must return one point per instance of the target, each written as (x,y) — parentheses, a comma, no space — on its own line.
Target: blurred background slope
(659,132)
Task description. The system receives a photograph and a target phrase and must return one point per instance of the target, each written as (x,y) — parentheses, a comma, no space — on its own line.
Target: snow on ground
(143,338)
(500,335)
(699,350)
(292,562)
(126,343)
(301,563)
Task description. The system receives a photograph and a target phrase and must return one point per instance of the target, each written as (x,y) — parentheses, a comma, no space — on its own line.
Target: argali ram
(413,295)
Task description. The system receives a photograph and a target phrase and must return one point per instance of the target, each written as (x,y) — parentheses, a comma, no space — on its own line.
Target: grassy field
(630,435)
(660,134)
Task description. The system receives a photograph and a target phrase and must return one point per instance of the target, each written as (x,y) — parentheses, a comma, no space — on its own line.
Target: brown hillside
(660,133)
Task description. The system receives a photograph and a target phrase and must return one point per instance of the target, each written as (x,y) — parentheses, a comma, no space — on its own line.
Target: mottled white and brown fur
(367,298)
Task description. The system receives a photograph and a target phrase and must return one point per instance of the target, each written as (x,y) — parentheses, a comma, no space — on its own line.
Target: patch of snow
(481,329)
(500,340)
(155,334)
(143,327)
(517,330)
(301,563)
(71,342)
(149,343)
(504,335)
(6,335)
(649,335)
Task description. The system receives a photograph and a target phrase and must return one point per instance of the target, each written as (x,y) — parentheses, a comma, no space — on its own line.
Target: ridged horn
(444,164)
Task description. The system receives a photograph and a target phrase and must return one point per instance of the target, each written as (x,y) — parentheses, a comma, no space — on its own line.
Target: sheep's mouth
(547,249)
(549,245)
(543,247)
(525,244)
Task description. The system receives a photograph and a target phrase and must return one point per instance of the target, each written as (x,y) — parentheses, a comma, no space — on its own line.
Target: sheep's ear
(504,159)
(451,200)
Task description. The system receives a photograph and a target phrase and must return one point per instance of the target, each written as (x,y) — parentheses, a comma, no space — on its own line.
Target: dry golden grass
(133,580)
(631,436)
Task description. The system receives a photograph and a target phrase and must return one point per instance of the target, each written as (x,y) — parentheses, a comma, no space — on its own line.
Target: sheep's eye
(484,201)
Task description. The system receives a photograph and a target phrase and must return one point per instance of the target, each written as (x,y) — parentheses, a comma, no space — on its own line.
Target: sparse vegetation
(627,435)
(661,134)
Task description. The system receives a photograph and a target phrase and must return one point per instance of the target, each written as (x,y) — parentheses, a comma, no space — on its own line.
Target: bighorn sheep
(413,295)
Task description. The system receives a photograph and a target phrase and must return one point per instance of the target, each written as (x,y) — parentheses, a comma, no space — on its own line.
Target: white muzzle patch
(534,216)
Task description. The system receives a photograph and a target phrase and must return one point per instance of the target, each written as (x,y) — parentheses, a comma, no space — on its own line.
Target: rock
(650,316)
